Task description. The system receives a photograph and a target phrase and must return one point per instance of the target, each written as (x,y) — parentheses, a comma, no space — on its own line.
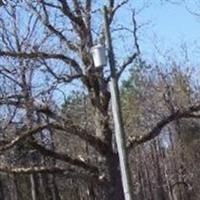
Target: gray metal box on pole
(99,55)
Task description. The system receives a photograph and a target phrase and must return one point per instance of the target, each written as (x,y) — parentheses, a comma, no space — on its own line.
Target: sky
(170,27)
(173,22)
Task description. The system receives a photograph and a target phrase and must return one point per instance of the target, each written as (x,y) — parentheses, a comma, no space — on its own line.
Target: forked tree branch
(127,62)
(114,8)
(135,54)
(46,22)
(68,12)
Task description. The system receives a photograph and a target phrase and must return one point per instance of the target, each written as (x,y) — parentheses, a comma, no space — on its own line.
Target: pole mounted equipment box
(99,55)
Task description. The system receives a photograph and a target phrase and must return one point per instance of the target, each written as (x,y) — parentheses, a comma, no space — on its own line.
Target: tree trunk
(115,190)
(33,187)
(55,192)
(13,188)
(42,185)
(160,189)
(1,191)
(148,179)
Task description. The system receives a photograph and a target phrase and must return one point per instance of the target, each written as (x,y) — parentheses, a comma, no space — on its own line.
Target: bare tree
(45,47)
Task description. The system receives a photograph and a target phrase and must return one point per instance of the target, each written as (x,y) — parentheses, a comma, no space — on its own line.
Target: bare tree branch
(66,172)
(67,78)
(136,54)
(95,142)
(188,113)
(42,55)
(22,136)
(65,158)
(113,9)
(46,22)
(31,170)
(128,61)
(67,11)
(69,127)
(135,30)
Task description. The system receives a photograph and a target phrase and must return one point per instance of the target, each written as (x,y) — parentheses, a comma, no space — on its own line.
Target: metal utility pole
(117,115)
